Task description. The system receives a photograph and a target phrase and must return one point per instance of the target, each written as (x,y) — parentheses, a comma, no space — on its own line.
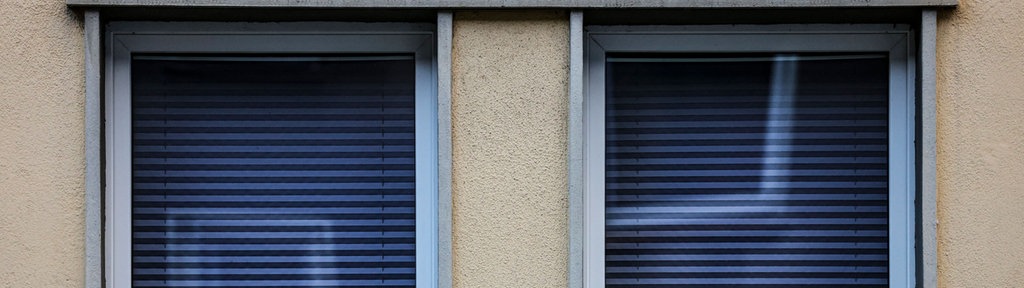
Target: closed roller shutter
(273,171)
(748,170)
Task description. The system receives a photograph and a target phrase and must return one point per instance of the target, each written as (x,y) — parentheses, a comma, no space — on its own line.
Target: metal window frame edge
(101,120)
(903,43)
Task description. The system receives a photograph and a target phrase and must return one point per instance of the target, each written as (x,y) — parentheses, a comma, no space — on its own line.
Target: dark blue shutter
(747,171)
(273,171)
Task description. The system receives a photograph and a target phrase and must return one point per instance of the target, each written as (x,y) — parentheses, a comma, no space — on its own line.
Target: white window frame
(896,40)
(125,38)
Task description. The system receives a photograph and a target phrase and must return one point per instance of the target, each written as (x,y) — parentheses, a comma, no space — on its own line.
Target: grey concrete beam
(929,188)
(575,149)
(449,4)
(93,134)
(444,149)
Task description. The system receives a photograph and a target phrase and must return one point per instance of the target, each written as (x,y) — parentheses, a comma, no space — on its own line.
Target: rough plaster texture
(509,110)
(509,138)
(980,130)
(42,157)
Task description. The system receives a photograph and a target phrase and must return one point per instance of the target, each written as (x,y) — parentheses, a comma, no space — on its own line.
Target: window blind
(273,171)
(746,170)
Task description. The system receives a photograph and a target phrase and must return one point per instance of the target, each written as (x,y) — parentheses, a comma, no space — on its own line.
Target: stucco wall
(981,144)
(509,109)
(42,160)
(509,136)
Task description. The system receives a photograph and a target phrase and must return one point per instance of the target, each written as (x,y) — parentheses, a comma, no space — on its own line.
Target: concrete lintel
(485,4)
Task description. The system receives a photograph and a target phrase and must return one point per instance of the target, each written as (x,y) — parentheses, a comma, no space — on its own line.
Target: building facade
(513,151)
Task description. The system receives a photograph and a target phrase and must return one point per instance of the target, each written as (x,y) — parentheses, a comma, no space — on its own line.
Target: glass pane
(747,170)
(273,171)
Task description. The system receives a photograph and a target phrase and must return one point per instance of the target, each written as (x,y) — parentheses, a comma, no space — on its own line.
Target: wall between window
(42,156)
(509,117)
(509,148)
(980,131)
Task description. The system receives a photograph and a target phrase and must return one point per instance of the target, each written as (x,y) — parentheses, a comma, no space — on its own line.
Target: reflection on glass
(273,171)
(725,170)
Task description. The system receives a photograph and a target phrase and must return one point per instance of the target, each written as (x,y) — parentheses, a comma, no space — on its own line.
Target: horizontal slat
(743,185)
(740,215)
(205,91)
(754,281)
(402,186)
(279,123)
(711,196)
(751,245)
(762,125)
(745,173)
(269,136)
(342,280)
(266,271)
(350,251)
(268,173)
(276,191)
(282,116)
(791,112)
(273,161)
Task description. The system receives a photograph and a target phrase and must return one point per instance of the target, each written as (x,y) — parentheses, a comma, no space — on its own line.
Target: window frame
(124,38)
(896,40)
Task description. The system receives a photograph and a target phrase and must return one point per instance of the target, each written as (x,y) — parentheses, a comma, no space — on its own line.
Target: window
(271,155)
(749,156)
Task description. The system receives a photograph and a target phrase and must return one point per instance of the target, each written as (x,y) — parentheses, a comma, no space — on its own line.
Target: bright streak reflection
(782,98)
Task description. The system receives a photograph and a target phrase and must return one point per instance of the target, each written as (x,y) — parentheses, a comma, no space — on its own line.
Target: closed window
(752,157)
(279,158)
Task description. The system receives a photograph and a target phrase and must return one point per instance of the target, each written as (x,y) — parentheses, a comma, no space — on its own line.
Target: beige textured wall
(509,117)
(981,144)
(42,160)
(509,109)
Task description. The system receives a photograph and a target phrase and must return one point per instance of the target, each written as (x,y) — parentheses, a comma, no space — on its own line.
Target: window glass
(746,170)
(273,170)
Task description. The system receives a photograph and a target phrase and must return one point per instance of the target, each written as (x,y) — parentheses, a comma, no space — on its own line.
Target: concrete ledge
(510,3)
